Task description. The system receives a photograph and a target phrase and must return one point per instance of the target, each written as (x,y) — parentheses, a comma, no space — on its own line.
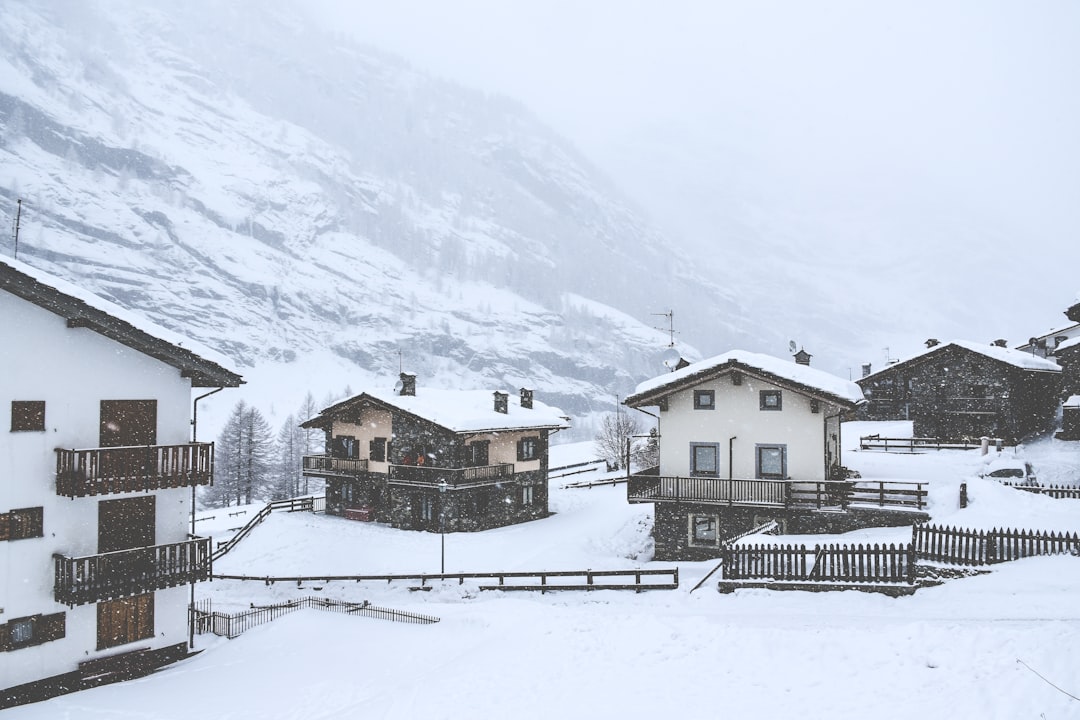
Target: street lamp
(442,526)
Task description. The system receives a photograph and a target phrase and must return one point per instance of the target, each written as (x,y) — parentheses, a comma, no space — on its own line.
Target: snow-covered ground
(974,647)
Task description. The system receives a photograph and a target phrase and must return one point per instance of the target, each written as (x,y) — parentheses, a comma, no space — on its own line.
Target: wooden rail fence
(1058,492)
(542,581)
(822,563)
(914,444)
(230,625)
(301,504)
(987,547)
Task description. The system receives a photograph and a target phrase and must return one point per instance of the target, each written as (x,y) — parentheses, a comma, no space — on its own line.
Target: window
(377,450)
(815,405)
(345,447)
(21,524)
(526,496)
(125,620)
(704,459)
(704,530)
(528,448)
(772,462)
(427,509)
(27,415)
(704,400)
(771,400)
(30,631)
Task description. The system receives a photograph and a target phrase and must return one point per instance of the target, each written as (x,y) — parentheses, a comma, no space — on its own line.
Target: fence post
(963,496)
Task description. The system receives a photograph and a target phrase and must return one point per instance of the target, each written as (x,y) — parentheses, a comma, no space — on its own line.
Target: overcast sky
(871,124)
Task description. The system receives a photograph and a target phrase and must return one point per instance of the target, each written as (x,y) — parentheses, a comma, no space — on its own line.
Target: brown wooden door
(127,523)
(128,422)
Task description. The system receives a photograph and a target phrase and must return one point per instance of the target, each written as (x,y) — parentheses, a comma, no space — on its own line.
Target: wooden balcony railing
(455,478)
(105,471)
(322,465)
(130,572)
(776,493)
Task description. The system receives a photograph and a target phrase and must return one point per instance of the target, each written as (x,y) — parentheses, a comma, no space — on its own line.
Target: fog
(917,160)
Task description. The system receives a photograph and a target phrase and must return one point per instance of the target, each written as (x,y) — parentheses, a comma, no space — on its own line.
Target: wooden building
(99,477)
(748,441)
(961,391)
(437,460)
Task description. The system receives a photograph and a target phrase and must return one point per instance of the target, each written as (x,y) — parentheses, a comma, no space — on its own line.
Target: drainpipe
(194,438)
(731,457)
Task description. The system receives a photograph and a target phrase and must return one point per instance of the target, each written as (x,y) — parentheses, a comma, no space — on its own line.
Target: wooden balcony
(327,466)
(124,573)
(839,494)
(107,471)
(455,478)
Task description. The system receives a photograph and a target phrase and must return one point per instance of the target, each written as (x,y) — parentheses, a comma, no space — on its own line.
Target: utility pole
(18,218)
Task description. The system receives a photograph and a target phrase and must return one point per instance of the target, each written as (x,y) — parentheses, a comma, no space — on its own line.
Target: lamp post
(442,527)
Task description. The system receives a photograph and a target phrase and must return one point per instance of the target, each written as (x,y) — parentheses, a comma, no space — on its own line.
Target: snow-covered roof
(1068,344)
(1073,401)
(460,411)
(82,308)
(1016,358)
(784,371)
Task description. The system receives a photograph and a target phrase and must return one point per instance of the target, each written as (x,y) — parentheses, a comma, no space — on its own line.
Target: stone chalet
(436,460)
(961,391)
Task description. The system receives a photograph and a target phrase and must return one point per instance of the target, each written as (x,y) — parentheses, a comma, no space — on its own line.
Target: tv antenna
(670,315)
(792,346)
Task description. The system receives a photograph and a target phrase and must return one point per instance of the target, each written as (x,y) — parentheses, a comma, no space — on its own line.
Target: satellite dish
(670,358)
(791,345)
(397,387)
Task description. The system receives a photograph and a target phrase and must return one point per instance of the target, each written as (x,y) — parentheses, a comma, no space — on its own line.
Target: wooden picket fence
(986,547)
(822,563)
(232,624)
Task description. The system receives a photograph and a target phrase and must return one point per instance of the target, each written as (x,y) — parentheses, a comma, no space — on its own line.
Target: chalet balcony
(107,471)
(455,478)
(124,573)
(817,495)
(327,466)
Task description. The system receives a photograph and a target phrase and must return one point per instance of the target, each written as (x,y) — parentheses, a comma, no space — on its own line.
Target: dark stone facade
(955,394)
(671,524)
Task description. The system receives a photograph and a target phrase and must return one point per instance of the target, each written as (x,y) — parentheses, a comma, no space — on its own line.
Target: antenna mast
(18,218)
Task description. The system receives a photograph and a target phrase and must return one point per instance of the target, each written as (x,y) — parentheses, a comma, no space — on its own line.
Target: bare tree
(615,430)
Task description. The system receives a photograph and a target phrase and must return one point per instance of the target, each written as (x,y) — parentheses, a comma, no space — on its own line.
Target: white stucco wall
(72,370)
(737,413)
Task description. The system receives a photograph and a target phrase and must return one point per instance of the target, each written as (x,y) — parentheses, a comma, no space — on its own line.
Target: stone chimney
(526,398)
(501,401)
(1000,342)
(1073,313)
(866,369)
(802,357)
(408,384)
(932,342)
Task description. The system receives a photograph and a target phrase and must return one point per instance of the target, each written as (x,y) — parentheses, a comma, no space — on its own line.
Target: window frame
(528,496)
(763,399)
(715,447)
(700,396)
(758,448)
(692,537)
(41,628)
(532,443)
(27,416)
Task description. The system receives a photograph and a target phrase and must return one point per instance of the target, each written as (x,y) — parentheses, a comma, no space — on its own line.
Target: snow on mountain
(312,208)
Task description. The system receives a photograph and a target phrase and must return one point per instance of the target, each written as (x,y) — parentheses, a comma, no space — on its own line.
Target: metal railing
(124,573)
(104,471)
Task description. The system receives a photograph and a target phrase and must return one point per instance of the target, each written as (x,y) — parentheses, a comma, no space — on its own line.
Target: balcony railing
(776,493)
(105,471)
(130,572)
(322,465)
(456,478)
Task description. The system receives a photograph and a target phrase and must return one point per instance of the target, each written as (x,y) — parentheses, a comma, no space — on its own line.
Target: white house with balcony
(99,469)
(748,440)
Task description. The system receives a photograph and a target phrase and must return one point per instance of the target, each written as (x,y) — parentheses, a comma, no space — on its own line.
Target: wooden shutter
(5,636)
(5,526)
(26,523)
(51,627)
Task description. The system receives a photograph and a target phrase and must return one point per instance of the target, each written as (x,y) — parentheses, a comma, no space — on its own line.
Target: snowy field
(972,648)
